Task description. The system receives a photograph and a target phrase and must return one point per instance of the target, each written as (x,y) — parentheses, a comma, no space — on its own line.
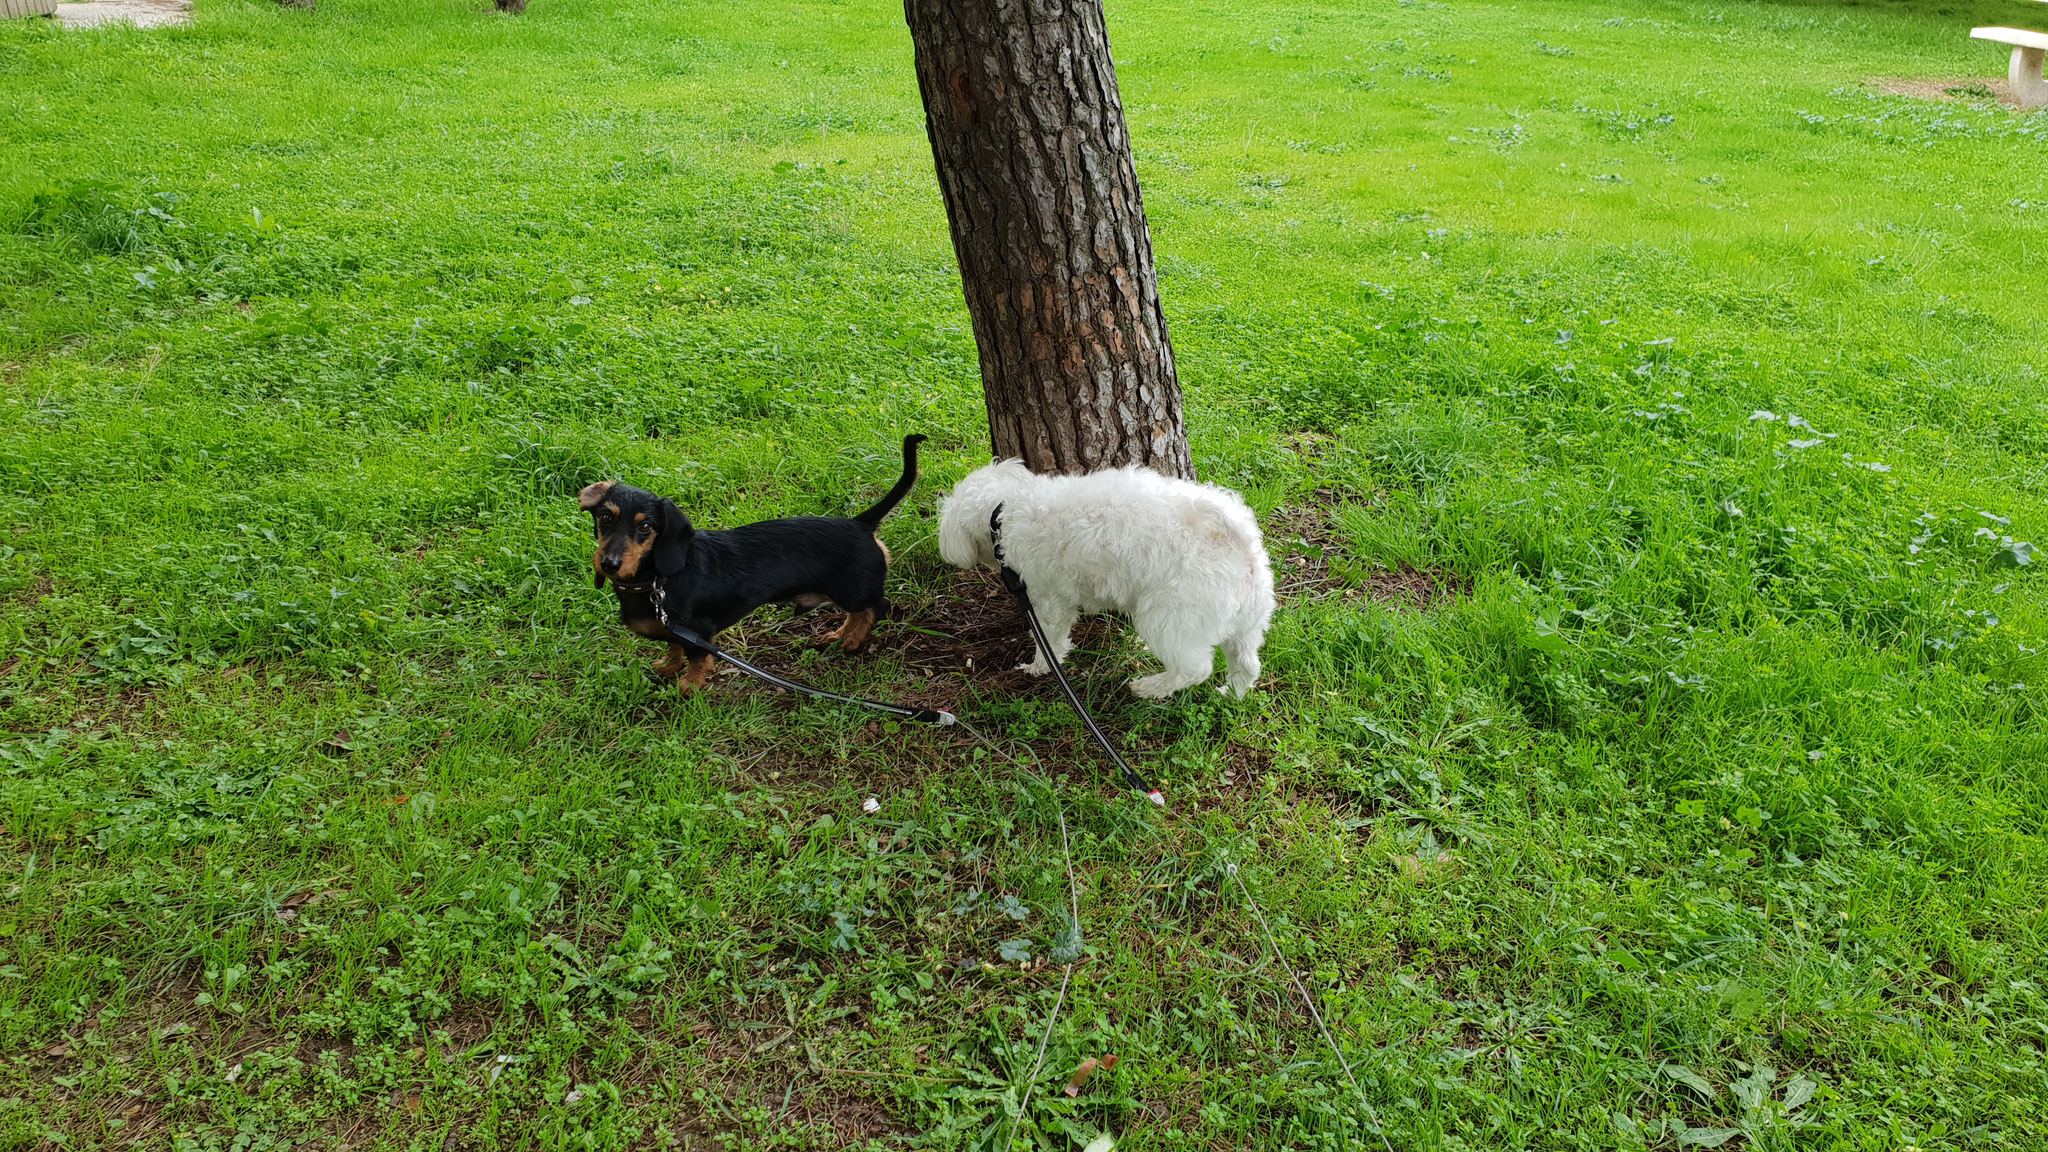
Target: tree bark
(1034,163)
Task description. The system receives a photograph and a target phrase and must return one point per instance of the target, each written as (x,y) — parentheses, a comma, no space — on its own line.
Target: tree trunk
(1034,163)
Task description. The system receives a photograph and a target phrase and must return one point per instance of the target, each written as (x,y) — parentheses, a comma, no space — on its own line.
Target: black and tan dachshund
(710,580)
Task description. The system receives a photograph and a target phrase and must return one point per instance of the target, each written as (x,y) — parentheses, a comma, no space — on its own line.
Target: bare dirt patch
(1948,89)
(968,633)
(1310,562)
(968,637)
(37,591)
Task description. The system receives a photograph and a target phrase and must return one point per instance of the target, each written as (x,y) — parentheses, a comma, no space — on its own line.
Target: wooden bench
(2028,50)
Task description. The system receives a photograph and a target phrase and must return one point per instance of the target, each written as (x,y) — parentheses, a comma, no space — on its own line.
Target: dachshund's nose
(609,564)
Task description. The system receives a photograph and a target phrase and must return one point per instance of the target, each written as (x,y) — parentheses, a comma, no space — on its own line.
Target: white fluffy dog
(1185,561)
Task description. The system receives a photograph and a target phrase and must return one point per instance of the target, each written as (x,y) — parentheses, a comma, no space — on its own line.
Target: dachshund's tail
(872,518)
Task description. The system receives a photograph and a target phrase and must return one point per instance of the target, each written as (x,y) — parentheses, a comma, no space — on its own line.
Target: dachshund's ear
(592,494)
(672,540)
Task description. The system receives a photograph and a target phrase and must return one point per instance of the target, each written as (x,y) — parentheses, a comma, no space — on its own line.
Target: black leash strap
(1015,584)
(916,715)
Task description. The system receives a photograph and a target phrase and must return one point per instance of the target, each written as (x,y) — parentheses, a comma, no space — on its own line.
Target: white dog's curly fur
(1185,561)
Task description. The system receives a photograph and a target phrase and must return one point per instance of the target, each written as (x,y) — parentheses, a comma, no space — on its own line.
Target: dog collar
(1011,580)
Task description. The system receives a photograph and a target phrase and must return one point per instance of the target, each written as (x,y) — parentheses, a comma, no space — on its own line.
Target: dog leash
(934,716)
(690,637)
(1015,584)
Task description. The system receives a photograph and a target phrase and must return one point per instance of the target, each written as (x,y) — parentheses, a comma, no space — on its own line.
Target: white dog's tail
(1232,529)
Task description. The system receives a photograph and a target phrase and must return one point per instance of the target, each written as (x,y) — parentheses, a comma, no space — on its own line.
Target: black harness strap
(690,637)
(1015,584)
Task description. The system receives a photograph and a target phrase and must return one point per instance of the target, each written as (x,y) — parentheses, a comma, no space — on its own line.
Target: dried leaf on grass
(1088,1068)
(1419,866)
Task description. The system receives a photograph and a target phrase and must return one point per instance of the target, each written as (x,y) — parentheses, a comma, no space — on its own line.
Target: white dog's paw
(1037,667)
(1153,687)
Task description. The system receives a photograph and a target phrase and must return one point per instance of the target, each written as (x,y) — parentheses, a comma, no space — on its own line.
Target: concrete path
(141,13)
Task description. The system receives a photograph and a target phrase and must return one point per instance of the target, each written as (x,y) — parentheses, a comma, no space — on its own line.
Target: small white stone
(871,806)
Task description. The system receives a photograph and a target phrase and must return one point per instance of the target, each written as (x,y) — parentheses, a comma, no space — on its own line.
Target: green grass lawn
(1703,801)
